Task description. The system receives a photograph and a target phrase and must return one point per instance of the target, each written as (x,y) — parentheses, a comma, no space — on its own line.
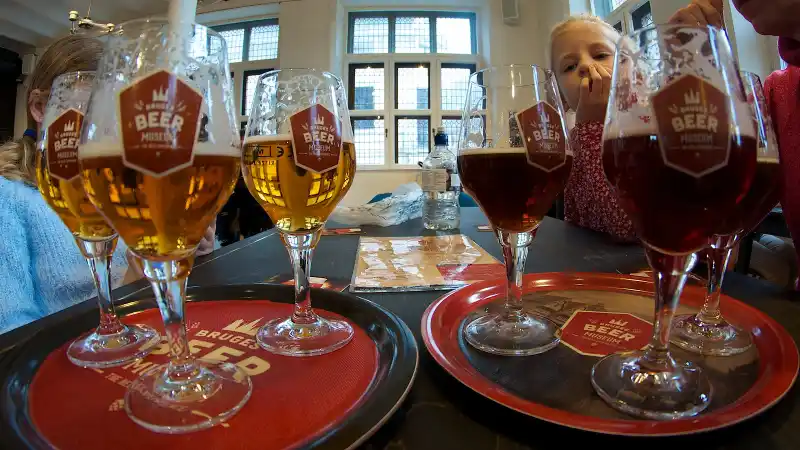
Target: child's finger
(606,80)
(585,92)
(597,82)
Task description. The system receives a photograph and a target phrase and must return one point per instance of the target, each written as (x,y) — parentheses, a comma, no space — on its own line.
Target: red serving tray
(773,366)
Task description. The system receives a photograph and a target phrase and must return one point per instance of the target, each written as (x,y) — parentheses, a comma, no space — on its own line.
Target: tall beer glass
(58,177)
(299,162)
(159,157)
(514,159)
(707,332)
(680,153)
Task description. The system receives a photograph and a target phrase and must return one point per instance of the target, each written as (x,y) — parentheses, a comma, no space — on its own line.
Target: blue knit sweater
(41,269)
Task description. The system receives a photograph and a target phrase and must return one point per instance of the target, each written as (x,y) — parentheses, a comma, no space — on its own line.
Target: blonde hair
(560,27)
(69,54)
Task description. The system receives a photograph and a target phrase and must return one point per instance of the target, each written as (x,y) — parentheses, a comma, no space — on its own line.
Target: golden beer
(297,200)
(160,218)
(69,201)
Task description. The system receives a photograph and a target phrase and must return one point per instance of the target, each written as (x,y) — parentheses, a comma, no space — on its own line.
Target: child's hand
(594,95)
(700,12)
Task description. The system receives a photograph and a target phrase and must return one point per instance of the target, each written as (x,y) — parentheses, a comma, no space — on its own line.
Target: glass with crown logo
(679,152)
(58,178)
(299,162)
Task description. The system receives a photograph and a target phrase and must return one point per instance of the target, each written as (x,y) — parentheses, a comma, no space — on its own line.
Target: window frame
(397,118)
(248,26)
(622,14)
(434,62)
(431,15)
(240,69)
(243,85)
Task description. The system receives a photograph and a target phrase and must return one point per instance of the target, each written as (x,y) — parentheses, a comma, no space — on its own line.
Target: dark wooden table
(439,412)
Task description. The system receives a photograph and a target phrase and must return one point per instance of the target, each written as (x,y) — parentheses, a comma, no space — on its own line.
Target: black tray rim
(397,368)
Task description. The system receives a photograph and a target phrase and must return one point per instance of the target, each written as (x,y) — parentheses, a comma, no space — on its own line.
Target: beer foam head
(113,147)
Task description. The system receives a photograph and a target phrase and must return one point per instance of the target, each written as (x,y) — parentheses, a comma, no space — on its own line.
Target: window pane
(643,17)
(250,89)
(453,35)
(412,35)
(412,87)
(452,126)
(235,41)
(369,141)
(370,35)
(263,42)
(454,87)
(368,88)
(413,140)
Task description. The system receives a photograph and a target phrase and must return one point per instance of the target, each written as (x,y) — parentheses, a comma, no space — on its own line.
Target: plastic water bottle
(441,186)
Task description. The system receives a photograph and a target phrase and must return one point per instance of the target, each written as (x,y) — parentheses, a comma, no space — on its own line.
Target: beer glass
(514,159)
(707,332)
(679,151)
(159,157)
(299,162)
(58,177)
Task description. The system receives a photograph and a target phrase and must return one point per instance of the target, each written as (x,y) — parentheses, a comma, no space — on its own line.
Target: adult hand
(593,99)
(700,12)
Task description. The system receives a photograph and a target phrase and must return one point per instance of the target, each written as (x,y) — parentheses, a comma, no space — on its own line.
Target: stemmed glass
(58,177)
(707,332)
(299,162)
(679,152)
(514,159)
(160,156)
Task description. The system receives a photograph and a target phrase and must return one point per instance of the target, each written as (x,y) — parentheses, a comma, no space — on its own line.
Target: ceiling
(28,24)
(37,22)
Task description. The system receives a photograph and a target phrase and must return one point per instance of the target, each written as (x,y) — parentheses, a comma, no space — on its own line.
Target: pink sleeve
(588,199)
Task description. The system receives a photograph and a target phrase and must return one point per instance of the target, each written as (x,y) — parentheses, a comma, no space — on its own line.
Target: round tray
(332,401)
(555,386)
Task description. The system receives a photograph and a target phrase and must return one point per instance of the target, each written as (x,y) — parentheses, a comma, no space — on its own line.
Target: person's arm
(17,298)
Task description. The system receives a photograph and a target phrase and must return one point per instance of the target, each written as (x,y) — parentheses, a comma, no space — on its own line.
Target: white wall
(520,43)
(308,34)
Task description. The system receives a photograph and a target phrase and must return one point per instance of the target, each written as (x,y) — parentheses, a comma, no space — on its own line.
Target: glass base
(108,350)
(723,339)
(501,334)
(284,337)
(209,393)
(672,391)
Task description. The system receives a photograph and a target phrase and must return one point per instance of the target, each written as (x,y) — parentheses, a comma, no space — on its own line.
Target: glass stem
(301,249)
(718,255)
(98,254)
(169,279)
(515,253)
(669,276)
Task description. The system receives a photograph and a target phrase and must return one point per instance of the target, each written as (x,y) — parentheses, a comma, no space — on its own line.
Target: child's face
(575,49)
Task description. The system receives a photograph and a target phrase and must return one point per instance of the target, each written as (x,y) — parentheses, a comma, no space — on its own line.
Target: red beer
(672,211)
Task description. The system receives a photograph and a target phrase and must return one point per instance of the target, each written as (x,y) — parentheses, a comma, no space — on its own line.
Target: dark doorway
(10,69)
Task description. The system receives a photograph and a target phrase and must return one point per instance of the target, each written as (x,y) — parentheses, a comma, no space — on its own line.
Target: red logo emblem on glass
(62,145)
(595,333)
(159,120)
(316,138)
(543,134)
(692,117)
